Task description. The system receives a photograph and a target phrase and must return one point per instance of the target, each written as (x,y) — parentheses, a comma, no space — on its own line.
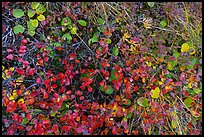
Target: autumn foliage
(101,68)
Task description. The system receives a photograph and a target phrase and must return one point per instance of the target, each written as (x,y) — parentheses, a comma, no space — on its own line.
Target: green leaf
(18,13)
(171,64)
(31,32)
(73,30)
(53,113)
(176,54)
(189,102)
(109,90)
(82,23)
(37,110)
(115,51)
(66,21)
(18,28)
(100,21)
(129,115)
(41,17)
(174,124)
(163,23)
(151,4)
(69,26)
(142,101)
(57,44)
(24,121)
(197,90)
(34,5)
(67,36)
(34,23)
(41,8)
(112,77)
(30,13)
(168,75)
(92,40)
(29,25)
(109,41)
(128,102)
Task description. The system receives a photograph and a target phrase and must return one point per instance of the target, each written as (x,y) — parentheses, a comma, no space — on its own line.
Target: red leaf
(72,56)
(66,128)
(56,95)
(46,59)
(38,80)
(62,89)
(136,88)
(9,50)
(55,128)
(10,57)
(46,82)
(11,107)
(101,83)
(54,86)
(20,71)
(153,87)
(28,116)
(22,47)
(15,117)
(90,89)
(25,63)
(114,130)
(31,72)
(107,32)
(59,48)
(45,95)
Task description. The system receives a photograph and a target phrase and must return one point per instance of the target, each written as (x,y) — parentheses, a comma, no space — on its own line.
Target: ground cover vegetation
(90,68)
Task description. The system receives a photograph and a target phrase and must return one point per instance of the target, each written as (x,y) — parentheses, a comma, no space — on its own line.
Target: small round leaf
(41,17)
(142,101)
(73,30)
(82,23)
(34,23)
(185,47)
(18,28)
(34,5)
(115,51)
(109,90)
(151,4)
(31,13)
(189,102)
(18,13)
(163,23)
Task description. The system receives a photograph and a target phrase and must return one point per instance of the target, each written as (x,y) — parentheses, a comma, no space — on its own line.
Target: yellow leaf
(149,63)
(143,80)
(160,83)
(14,95)
(155,93)
(169,66)
(19,80)
(21,100)
(11,98)
(185,47)
(41,17)
(125,36)
(190,85)
(174,124)
(195,114)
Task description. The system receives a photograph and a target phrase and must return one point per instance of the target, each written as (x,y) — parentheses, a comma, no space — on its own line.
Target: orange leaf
(78,118)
